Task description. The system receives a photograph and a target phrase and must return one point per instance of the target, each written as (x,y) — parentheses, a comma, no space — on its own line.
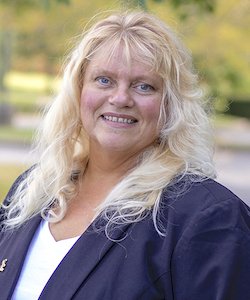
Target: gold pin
(3,264)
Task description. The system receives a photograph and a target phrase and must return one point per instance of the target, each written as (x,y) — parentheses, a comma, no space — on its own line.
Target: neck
(110,165)
(101,175)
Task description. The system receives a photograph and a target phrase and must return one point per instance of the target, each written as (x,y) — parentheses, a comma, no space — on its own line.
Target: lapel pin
(3,264)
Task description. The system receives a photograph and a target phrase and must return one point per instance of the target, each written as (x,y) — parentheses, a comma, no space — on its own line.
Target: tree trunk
(5,59)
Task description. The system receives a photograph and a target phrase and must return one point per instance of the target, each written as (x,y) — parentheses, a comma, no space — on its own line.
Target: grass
(33,82)
(26,101)
(221,120)
(28,92)
(8,174)
(16,135)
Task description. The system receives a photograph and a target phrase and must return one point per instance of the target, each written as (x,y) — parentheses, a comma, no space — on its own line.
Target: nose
(121,97)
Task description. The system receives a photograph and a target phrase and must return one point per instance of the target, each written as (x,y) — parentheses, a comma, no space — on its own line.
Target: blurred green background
(35,35)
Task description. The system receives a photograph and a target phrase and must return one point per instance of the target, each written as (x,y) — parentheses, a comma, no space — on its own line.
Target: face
(120,104)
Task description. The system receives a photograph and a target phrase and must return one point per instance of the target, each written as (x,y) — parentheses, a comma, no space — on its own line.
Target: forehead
(118,59)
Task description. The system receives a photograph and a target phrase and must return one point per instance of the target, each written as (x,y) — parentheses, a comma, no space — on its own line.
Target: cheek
(151,112)
(86,109)
(89,104)
(86,104)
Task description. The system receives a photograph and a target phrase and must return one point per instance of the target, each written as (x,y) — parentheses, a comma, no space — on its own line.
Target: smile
(119,119)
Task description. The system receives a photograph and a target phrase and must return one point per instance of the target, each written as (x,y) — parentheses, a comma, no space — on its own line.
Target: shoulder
(204,204)
(198,195)
(16,183)
(197,189)
(213,243)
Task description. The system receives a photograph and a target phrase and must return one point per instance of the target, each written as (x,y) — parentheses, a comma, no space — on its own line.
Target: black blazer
(205,254)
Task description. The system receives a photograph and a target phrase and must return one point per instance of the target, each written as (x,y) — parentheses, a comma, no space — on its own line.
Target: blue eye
(103,80)
(145,87)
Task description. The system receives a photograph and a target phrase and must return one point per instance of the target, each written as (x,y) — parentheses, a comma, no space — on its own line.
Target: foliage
(203,5)
(206,5)
(21,4)
(239,107)
(220,46)
(218,40)
(184,6)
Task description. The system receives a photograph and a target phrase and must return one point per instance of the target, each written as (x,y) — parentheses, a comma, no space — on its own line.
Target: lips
(119,119)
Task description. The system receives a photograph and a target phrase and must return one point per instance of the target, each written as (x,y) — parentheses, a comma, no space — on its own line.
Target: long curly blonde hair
(184,145)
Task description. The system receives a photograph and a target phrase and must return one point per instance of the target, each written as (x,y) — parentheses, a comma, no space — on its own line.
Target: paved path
(235,134)
(234,171)
(16,154)
(233,166)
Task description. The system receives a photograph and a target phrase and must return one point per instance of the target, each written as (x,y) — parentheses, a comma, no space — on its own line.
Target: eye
(103,80)
(144,87)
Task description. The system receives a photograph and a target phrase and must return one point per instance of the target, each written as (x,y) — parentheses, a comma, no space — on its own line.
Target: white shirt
(43,257)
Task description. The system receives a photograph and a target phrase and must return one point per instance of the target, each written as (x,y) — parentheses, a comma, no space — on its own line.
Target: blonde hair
(184,145)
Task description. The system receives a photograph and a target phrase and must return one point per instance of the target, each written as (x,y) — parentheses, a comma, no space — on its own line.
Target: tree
(19,7)
(215,31)
(204,5)
(6,34)
(6,41)
(21,4)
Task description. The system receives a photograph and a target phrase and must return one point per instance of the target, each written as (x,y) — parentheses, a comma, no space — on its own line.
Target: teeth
(119,120)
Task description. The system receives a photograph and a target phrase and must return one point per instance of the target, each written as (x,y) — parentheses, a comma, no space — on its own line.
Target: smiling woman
(122,203)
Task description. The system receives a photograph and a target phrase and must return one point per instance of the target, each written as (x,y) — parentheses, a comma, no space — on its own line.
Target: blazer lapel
(80,261)
(14,246)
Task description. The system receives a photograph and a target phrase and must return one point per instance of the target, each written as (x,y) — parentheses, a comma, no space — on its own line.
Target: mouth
(119,119)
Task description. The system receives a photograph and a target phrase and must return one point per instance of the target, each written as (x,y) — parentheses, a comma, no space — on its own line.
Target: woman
(122,204)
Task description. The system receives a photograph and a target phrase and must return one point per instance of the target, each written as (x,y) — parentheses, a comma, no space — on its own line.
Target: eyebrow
(100,71)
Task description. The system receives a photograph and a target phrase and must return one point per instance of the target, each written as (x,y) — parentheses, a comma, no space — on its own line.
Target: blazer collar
(80,261)
(74,269)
